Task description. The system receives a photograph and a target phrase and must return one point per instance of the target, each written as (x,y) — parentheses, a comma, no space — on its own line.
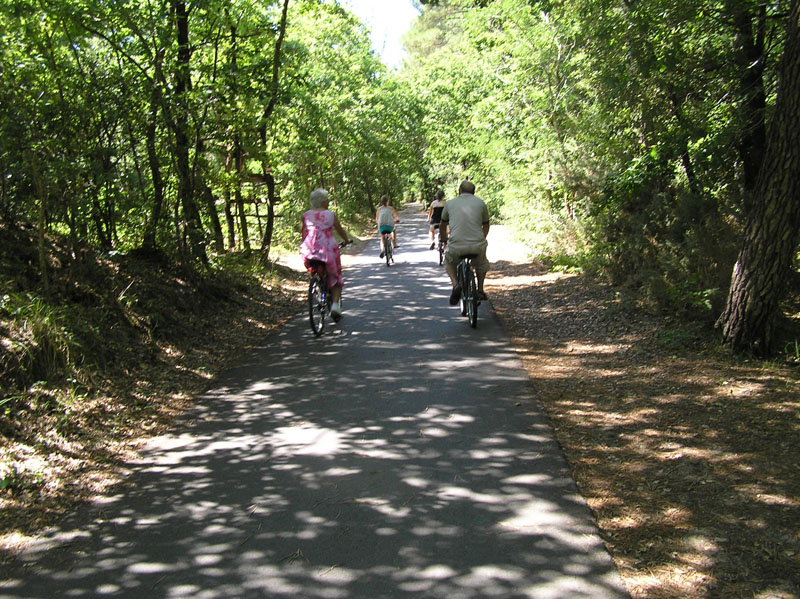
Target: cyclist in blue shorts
(386,218)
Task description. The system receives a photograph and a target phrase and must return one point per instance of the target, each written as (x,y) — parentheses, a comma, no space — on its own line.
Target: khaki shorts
(453,255)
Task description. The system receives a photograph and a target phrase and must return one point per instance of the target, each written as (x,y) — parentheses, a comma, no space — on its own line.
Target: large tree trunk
(773,225)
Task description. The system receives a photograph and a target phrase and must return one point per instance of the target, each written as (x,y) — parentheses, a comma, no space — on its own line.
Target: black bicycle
(442,246)
(320,297)
(470,299)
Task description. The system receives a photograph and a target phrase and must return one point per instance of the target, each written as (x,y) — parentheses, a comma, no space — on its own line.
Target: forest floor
(687,455)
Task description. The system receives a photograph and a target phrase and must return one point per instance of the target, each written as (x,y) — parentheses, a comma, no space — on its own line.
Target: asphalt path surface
(401,454)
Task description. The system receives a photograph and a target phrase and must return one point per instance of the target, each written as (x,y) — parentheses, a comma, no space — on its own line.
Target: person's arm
(486,230)
(303,230)
(396,217)
(443,224)
(342,233)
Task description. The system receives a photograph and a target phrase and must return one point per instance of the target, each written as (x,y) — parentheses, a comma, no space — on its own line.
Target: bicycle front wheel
(316,305)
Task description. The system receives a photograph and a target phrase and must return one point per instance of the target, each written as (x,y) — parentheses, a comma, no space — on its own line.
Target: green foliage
(613,131)
(792,351)
(616,132)
(38,346)
(95,135)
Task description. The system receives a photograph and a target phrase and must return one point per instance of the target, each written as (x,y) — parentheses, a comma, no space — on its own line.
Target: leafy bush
(38,345)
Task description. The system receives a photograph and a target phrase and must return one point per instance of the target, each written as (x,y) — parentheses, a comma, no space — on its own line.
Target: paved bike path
(402,454)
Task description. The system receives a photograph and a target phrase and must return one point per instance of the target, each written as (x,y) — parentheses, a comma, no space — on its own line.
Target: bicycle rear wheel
(316,305)
(441,253)
(387,244)
(462,281)
(472,298)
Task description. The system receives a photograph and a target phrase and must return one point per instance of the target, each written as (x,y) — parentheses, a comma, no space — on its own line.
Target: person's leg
(451,272)
(394,237)
(481,268)
(450,267)
(334,268)
(383,248)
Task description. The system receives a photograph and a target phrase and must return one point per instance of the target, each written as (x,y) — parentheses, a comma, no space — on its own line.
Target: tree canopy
(621,136)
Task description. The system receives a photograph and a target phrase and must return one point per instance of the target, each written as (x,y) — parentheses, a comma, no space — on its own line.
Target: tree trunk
(42,222)
(749,59)
(191,215)
(773,225)
(245,235)
(231,223)
(151,230)
(266,242)
(211,206)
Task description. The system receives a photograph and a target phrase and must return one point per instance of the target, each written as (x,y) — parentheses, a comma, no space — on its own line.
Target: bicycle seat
(316,266)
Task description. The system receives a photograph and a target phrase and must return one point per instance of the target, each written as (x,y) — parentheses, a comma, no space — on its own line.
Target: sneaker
(382,255)
(455,295)
(336,312)
(433,245)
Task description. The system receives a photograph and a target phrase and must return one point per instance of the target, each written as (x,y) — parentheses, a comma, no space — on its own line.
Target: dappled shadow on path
(398,455)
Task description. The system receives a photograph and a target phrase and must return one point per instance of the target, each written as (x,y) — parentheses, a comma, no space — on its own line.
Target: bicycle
(469,289)
(388,249)
(320,298)
(440,247)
